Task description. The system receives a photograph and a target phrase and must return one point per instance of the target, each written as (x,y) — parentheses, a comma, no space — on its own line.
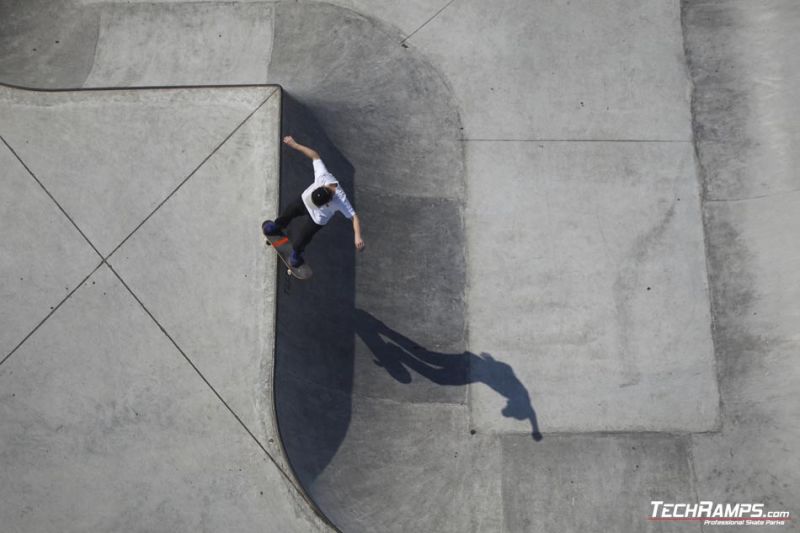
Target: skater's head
(321,196)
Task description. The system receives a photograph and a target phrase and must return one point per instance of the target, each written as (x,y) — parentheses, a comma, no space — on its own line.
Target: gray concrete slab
(42,256)
(133,150)
(47,44)
(595,253)
(199,265)
(755,265)
(743,58)
(105,427)
(400,310)
(743,64)
(563,70)
(405,467)
(594,483)
(165,44)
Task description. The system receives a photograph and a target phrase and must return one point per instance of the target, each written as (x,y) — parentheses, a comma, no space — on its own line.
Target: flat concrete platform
(130,379)
(578,294)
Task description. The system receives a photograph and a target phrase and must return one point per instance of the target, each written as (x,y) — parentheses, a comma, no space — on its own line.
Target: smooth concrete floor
(580,219)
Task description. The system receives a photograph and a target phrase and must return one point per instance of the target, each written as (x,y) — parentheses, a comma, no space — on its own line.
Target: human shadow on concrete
(396,353)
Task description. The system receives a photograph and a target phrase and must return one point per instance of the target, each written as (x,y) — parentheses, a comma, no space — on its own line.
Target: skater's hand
(289,140)
(359,244)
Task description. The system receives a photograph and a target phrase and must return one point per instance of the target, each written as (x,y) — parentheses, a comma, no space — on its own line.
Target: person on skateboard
(317,205)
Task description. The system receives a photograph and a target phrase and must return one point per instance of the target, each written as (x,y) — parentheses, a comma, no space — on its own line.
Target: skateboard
(282,245)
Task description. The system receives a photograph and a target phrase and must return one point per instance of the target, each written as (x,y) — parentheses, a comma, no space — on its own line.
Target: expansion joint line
(104,260)
(64,212)
(52,311)
(427,22)
(208,383)
(39,182)
(787,192)
(192,173)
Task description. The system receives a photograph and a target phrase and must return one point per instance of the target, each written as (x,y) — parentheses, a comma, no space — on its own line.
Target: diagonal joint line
(52,311)
(192,173)
(427,21)
(47,192)
(191,363)
(75,225)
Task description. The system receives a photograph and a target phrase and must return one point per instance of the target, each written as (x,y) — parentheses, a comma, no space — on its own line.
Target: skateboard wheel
(289,272)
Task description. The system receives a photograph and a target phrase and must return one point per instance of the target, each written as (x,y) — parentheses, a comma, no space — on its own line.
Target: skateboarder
(317,205)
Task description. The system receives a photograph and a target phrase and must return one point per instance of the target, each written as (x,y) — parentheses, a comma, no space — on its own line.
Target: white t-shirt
(322,215)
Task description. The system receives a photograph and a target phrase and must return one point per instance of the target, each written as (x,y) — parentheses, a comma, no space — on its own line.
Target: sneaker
(270,228)
(296,259)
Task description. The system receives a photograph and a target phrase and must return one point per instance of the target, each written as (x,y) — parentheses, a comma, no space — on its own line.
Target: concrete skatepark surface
(578,293)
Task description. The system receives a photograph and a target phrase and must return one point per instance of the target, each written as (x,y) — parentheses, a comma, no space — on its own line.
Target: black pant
(308,228)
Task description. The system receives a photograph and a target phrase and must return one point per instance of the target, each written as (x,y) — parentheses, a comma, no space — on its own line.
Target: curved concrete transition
(376,448)
(644,316)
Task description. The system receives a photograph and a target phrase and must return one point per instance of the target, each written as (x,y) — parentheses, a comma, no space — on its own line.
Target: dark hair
(321,196)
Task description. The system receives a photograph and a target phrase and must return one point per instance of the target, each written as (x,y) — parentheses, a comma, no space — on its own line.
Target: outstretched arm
(305,150)
(357,230)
